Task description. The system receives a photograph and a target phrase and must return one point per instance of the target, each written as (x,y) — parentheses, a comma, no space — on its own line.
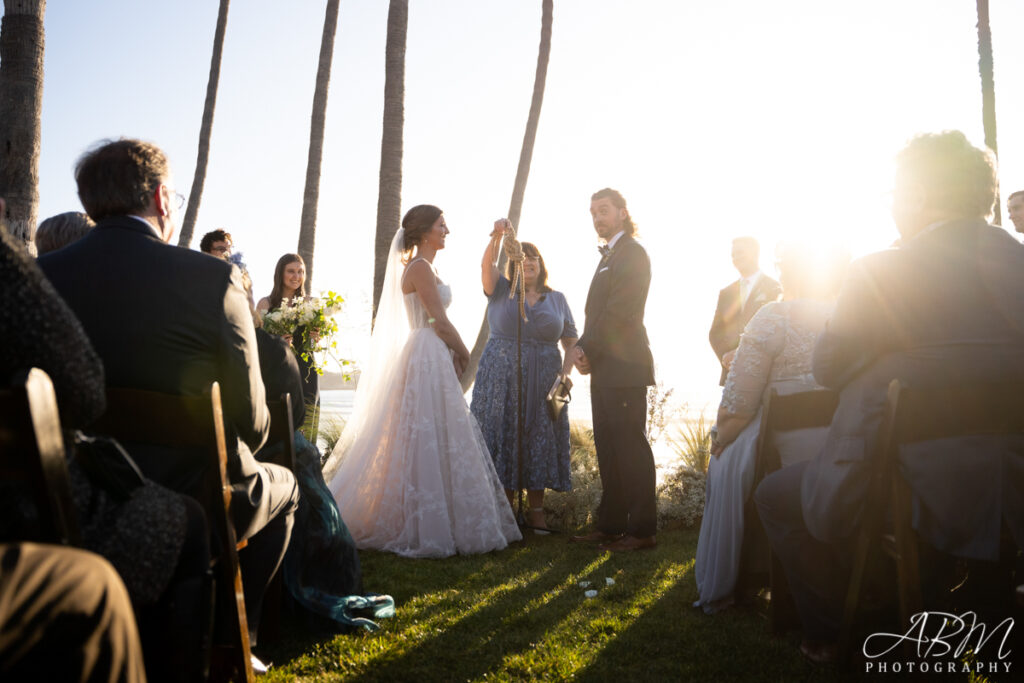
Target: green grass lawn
(520,615)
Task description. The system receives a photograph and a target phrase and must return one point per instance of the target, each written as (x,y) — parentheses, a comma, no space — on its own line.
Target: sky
(739,117)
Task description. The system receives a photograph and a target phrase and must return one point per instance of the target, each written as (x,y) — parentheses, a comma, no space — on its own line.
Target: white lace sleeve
(760,343)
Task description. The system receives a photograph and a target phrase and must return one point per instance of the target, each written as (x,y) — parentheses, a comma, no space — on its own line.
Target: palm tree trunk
(988,90)
(203,157)
(523,173)
(22,40)
(389,197)
(311,196)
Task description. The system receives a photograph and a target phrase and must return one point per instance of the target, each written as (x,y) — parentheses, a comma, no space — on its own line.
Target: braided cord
(514,252)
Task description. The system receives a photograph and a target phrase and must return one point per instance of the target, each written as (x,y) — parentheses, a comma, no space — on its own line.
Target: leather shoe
(595,537)
(627,543)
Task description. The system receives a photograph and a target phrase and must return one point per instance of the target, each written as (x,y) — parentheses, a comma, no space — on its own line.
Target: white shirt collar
(148,225)
(752,278)
(613,240)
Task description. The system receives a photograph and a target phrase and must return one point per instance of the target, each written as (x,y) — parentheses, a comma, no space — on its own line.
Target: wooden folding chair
(914,416)
(32,453)
(191,423)
(781,413)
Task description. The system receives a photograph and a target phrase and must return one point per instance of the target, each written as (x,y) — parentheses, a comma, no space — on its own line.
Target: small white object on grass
(582,584)
(609,581)
(590,593)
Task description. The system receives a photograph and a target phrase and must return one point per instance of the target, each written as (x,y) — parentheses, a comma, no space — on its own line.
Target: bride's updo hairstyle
(417,223)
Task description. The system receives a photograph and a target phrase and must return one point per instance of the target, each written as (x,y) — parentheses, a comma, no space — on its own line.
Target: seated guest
(774,353)
(154,537)
(940,310)
(216,243)
(61,230)
(171,320)
(65,616)
(1015,210)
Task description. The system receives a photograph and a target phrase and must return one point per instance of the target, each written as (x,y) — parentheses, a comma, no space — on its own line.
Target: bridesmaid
(545,443)
(289,283)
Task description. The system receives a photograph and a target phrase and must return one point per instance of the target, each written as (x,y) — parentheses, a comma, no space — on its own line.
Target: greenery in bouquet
(311,324)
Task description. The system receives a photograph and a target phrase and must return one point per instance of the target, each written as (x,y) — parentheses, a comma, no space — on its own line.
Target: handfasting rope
(514,252)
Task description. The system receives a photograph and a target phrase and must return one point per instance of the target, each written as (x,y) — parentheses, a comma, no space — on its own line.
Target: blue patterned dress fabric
(545,443)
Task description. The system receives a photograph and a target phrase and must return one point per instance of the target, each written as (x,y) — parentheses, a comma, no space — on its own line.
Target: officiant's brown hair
(417,222)
(118,177)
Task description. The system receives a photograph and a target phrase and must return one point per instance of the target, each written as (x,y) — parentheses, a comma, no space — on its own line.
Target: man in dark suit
(614,350)
(738,302)
(173,320)
(942,309)
(1015,210)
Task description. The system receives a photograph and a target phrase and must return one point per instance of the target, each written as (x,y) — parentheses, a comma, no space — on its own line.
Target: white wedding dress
(412,474)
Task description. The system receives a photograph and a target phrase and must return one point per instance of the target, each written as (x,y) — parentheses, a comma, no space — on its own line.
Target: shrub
(574,509)
(681,493)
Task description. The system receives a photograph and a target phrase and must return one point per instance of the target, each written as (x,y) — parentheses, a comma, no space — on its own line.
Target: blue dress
(545,443)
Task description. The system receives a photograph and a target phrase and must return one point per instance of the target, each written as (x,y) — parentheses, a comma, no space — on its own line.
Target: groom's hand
(580,361)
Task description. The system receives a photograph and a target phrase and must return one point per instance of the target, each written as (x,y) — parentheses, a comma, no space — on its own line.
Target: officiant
(502,404)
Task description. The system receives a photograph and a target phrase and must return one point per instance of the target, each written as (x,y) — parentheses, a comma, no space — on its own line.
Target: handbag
(558,396)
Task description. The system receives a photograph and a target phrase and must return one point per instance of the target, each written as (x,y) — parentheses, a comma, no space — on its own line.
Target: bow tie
(604,249)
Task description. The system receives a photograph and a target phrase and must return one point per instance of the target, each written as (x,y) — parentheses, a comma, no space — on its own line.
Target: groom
(615,351)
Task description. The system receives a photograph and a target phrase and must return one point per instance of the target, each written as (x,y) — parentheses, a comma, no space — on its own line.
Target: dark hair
(530,249)
(218,235)
(61,230)
(619,202)
(277,292)
(417,223)
(118,177)
(958,177)
(1018,193)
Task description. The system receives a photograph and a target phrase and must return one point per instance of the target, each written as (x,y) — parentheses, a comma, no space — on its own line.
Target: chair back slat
(963,410)
(190,422)
(32,453)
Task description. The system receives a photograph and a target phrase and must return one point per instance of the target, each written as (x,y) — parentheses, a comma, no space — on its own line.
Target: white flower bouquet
(310,322)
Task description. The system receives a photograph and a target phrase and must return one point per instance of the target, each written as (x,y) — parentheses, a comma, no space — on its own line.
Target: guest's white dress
(775,352)
(417,480)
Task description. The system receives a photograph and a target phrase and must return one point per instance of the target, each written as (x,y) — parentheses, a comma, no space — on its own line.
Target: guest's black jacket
(614,337)
(168,319)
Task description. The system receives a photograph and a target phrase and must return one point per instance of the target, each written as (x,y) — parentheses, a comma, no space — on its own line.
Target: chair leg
(853,594)
(907,562)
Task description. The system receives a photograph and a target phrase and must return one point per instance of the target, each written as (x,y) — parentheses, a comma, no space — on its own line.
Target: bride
(411,472)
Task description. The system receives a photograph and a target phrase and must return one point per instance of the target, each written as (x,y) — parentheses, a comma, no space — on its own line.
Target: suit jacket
(943,309)
(731,316)
(168,319)
(614,337)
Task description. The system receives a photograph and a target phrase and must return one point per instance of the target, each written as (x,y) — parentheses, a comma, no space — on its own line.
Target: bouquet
(310,322)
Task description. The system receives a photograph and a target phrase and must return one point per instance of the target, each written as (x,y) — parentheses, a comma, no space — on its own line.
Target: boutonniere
(606,253)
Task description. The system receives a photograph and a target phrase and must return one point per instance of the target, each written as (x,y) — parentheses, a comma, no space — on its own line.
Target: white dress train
(418,480)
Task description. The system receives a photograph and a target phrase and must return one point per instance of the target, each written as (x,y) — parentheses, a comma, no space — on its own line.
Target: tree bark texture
(988,90)
(389,197)
(21,102)
(522,174)
(311,196)
(203,156)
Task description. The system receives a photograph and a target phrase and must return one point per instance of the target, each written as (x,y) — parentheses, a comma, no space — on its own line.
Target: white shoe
(258,667)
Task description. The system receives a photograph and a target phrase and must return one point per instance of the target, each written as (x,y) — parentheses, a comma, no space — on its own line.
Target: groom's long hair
(619,202)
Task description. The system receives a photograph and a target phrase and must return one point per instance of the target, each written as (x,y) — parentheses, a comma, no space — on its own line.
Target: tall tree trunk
(988,90)
(525,156)
(389,197)
(21,102)
(311,196)
(203,157)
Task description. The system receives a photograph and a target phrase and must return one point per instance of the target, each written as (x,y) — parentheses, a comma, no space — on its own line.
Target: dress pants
(260,559)
(626,463)
(65,615)
(817,572)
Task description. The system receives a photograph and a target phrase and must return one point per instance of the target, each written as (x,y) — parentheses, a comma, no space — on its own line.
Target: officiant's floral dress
(545,443)
(775,352)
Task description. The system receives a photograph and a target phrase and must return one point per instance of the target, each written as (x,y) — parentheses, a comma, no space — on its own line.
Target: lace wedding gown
(775,352)
(418,479)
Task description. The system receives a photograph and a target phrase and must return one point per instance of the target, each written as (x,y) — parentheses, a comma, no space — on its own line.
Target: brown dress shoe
(595,537)
(627,543)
